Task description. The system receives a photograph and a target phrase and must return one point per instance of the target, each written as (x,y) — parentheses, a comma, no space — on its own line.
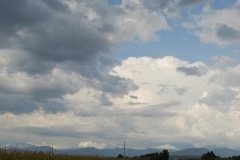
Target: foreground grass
(28,155)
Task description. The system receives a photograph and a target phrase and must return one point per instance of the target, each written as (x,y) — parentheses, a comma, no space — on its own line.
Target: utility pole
(124,149)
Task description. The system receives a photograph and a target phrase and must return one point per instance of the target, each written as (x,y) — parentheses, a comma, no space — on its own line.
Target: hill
(222,152)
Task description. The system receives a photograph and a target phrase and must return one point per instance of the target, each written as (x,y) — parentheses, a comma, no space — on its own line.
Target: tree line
(164,155)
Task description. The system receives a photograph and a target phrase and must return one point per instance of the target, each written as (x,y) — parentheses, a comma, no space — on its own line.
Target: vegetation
(209,155)
(120,156)
(164,155)
(28,155)
(236,157)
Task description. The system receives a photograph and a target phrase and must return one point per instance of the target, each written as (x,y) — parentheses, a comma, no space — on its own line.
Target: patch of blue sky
(188,11)
(221,4)
(114,2)
(178,43)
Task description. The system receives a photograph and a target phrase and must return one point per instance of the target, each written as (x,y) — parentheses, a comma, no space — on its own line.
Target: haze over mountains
(222,152)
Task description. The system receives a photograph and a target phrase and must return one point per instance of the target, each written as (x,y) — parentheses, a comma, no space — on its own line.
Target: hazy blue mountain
(107,152)
(190,152)
(222,152)
(226,152)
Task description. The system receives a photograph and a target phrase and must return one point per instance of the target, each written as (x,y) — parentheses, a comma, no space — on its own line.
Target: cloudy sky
(156,73)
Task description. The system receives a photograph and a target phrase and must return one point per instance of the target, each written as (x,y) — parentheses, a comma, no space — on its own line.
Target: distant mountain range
(222,152)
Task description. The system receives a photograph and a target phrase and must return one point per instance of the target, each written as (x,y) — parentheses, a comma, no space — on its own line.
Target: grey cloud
(66,131)
(186,3)
(157,110)
(18,104)
(219,99)
(228,78)
(33,66)
(45,35)
(224,62)
(65,41)
(39,92)
(56,5)
(133,97)
(47,91)
(165,88)
(193,71)
(170,6)
(180,90)
(231,79)
(16,15)
(105,63)
(136,103)
(115,85)
(106,28)
(227,33)
(71,132)
(166,104)
(149,111)
(49,36)
(152,113)
(174,5)
(105,100)
(35,27)
(38,88)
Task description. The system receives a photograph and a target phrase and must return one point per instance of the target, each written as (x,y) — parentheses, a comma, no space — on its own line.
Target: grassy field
(27,155)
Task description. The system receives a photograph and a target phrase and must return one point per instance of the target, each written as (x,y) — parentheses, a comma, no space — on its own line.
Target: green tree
(209,155)
(120,156)
(164,155)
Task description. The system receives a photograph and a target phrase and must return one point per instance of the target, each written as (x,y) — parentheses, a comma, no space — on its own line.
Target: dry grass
(28,155)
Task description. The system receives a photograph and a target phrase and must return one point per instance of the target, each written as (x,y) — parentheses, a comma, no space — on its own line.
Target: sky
(156,73)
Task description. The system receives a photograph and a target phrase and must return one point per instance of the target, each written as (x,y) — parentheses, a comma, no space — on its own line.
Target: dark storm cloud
(18,104)
(44,35)
(65,40)
(193,71)
(56,5)
(47,35)
(19,15)
(16,15)
(227,33)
